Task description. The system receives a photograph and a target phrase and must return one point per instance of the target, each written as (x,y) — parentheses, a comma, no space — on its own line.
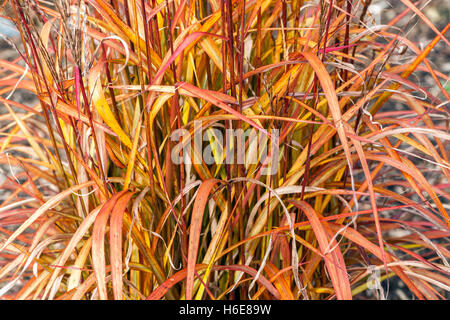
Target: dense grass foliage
(94,205)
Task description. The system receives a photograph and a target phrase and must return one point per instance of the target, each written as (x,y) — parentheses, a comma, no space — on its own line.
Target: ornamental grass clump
(222,149)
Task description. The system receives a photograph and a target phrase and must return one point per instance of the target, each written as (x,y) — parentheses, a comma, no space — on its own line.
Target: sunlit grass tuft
(95,207)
